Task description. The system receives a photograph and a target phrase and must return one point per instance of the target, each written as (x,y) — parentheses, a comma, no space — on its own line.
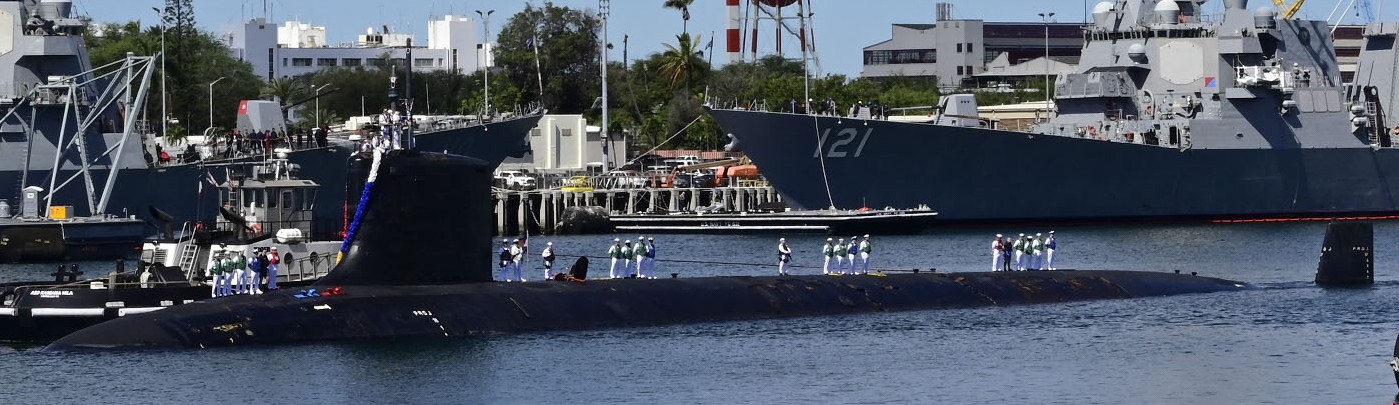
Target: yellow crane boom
(1288,11)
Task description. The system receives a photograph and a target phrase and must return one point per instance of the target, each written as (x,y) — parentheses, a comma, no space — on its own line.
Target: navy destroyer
(1171,115)
(75,131)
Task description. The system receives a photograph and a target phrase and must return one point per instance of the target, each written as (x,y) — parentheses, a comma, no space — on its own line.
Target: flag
(529,43)
(710,45)
(209,177)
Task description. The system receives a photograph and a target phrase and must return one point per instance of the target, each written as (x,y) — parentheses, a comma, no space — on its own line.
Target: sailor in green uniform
(1019,248)
(626,257)
(1037,262)
(639,253)
(615,253)
(840,250)
(216,275)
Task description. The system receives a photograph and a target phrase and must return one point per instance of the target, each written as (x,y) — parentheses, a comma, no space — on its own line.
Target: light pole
(1047,17)
(486,53)
(604,9)
(318,104)
(211,100)
(164,114)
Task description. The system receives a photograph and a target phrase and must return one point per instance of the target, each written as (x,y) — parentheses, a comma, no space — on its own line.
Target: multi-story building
(296,48)
(564,142)
(954,51)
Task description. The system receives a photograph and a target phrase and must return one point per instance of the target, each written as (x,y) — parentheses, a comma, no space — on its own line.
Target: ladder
(188,256)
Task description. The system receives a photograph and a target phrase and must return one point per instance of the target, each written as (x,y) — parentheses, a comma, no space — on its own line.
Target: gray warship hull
(981,175)
(1172,114)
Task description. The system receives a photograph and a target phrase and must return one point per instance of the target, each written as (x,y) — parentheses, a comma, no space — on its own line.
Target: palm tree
(679,61)
(285,89)
(684,7)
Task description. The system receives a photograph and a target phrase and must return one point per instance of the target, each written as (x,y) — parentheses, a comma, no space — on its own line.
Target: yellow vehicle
(576,184)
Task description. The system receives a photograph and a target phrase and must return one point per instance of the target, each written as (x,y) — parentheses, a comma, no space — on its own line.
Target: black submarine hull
(367,312)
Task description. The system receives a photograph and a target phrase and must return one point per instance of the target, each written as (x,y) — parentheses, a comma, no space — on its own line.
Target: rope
(362,206)
(672,136)
(816,123)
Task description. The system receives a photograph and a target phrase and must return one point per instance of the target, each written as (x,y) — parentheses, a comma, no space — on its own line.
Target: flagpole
(539,73)
(709,53)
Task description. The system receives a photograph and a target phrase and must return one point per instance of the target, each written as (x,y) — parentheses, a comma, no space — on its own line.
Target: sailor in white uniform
(828,251)
(1038,262)
(517,253)
(1049,247)
(216,275)
(840,256)
(651,257)
(1019,252)
(504,257)
(626,258)
(784,256)
(996,248)
(614,252)
(865,254)
(639,253)
(850,253)
(548,255)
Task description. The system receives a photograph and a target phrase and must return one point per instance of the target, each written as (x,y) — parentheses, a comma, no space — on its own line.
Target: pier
(542,210)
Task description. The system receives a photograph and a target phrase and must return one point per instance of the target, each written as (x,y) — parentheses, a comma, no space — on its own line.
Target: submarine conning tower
(422,223)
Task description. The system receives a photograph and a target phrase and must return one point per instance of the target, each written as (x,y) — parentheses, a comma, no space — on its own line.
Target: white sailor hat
(781,239)
(616,240)
(628,241)
(1022,235)
(1051,232)
(829,239)
(507,240)
(1039,234)
(998,235)
(550,243)
(867,236)
(274,248)
(650,239)
(517,240)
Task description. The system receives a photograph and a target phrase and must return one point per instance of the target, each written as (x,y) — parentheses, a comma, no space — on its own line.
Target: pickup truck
(514,179)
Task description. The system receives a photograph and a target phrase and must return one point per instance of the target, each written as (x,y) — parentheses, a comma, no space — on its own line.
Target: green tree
(568,58)
(684,7)
(286,90)
(678,62)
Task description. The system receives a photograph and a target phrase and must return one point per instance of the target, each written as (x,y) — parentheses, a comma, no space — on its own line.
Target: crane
(1289,11)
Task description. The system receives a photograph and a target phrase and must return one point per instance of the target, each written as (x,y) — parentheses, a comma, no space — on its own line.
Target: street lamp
(211,100)
(318,104)
(1047,17)
(164,113)
(486,53)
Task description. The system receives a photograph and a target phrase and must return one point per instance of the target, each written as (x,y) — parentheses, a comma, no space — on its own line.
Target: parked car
(514,179)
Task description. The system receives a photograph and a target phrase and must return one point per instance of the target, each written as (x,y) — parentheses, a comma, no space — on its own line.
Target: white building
(564,142)
(298,48)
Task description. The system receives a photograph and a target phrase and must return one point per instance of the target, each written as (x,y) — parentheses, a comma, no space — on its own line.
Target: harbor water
(1286,341)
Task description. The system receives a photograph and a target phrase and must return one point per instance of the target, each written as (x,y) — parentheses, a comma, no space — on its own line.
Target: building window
(536,132)
(422,62)
(352,61)
(959,70)
(970,71)
(566,131)
(375,62)
(325,62)
(969,47)
(301,61)
(901,56)
(284,61)
(959,47)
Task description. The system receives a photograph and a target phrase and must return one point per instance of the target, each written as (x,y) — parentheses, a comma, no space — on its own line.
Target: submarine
(412,269)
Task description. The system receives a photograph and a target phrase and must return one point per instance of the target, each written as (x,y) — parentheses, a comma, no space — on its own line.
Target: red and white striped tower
(743,32)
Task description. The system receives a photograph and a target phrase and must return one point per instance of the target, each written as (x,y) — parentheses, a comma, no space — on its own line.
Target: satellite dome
(1137,53)
(1236,4)
(1167,12)
(1264,11)
(1102,7)
(1166,5)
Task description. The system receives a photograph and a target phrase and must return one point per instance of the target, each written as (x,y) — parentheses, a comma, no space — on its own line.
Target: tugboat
(271,209)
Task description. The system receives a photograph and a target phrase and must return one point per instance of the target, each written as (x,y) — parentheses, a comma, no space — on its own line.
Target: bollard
(121,266)
(1177,271)
(73,275)
(674,275)
(60,273)
(915,271)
